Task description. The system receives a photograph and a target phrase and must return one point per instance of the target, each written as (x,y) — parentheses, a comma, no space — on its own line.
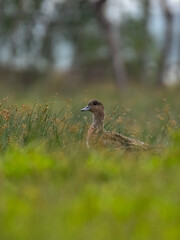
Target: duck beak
(87,108)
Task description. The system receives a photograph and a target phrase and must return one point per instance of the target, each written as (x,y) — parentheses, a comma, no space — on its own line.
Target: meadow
(53,187)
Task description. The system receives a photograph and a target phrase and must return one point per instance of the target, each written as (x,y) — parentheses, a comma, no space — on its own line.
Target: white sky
(116,9)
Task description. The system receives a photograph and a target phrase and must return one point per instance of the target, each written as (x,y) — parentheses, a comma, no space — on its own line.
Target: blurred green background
(68,44)
(57,55)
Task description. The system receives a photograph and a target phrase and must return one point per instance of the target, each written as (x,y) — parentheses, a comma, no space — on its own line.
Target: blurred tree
(79,27)
(140,50)
(32,32)
(82,27)
(112,36)
(167,44)
(146,41)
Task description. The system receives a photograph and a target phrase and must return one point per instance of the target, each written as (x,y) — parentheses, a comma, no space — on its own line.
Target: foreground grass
(80,194)
(52,187)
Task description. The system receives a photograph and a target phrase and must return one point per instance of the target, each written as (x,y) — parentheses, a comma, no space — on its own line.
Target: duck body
(97,136)
(113,140)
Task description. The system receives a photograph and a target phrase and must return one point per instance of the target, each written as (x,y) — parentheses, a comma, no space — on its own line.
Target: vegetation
(81,38)
(53,187)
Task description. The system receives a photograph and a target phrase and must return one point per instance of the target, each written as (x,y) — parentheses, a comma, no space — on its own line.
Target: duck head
(97,110)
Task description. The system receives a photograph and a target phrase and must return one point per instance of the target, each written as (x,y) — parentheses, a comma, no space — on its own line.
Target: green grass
(52,187)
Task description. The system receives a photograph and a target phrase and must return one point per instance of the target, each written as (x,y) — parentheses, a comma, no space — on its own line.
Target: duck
(98,136)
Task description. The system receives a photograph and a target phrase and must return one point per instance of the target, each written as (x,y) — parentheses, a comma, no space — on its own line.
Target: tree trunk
(145,46)
(114,43)
(168,16)
(178,51)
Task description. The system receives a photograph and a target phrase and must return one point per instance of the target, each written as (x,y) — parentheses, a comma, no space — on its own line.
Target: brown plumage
(98,136)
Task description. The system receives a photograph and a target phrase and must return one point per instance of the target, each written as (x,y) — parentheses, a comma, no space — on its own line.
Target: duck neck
(98,121)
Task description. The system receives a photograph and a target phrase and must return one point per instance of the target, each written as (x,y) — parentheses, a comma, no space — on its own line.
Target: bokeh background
(56,55)
(69,44)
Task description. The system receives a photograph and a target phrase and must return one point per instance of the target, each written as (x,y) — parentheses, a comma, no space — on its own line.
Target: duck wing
(118,140)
